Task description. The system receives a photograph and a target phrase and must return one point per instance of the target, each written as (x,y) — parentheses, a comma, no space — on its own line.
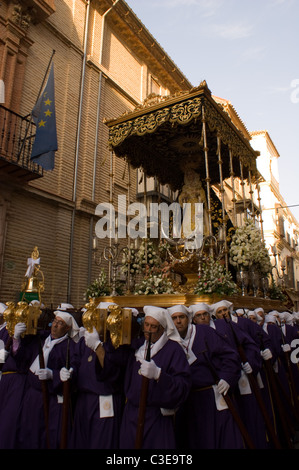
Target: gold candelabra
(282,265)
(110,254)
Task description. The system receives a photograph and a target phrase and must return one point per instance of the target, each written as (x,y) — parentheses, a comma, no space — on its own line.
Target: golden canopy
(159,135)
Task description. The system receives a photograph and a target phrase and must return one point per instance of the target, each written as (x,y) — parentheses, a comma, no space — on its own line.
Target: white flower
(247,249)
(154,284)
(214,278)
(98,288)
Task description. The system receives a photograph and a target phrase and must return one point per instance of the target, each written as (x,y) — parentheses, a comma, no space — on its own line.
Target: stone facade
(281,228)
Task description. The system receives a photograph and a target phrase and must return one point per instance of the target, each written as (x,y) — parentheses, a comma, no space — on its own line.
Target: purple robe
(90,431)
(233,333)
(169,392)
(32,430)
(275,336)
(282,384)
(256,332)
(3,335)
(263,340)
(12,385)
(249,410)
(199,424)
(290,333)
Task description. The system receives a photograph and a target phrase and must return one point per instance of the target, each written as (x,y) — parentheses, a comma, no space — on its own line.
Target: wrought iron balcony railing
(17,134)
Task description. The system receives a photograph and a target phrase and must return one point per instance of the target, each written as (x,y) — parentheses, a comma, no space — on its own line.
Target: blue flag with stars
(43,114)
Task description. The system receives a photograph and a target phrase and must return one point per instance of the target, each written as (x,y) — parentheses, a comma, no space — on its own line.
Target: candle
(94,243)
(116,230)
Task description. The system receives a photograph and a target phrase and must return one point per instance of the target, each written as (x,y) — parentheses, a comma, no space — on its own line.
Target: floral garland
(214,279)
(248,250)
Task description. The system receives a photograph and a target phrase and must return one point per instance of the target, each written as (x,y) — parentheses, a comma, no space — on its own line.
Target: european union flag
(43,113)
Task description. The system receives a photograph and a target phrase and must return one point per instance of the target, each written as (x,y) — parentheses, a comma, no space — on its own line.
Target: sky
(248,53)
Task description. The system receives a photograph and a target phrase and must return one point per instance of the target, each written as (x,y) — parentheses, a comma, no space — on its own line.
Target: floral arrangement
(148,254)
(147,261)
(155,270)
(214,279)
(275,292)
(98,288)
(154,283)
(248,250)
(139,258)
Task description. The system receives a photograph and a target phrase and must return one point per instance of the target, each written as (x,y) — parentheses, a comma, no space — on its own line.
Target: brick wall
(40,213)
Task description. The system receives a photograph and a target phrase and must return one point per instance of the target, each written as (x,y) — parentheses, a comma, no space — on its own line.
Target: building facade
(105,64)
(281,229)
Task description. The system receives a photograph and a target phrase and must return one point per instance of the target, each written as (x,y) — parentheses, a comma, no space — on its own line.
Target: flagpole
(39,93)
(44,79)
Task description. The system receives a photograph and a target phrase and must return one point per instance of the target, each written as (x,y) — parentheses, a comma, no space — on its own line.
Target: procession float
(191,143)
(197,146)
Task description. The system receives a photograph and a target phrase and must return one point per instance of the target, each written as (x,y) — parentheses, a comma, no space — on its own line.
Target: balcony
(17,134)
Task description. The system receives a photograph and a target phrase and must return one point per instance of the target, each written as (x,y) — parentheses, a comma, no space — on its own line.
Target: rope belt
(9,372)
(202,389)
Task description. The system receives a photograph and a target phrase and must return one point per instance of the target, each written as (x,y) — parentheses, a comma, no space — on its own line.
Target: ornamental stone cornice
(26,12)
(39,9)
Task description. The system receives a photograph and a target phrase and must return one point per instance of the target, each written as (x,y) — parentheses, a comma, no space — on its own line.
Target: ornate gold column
(129,183)
(208,179)
(220,162)
(232,175)
(260,208)
(145,203)
(243,189)
(251,193)
(127,222)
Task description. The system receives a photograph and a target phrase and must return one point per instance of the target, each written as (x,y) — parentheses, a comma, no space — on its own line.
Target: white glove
(266,354)
(3,355)
(65,374)
(150,370)
(19,329)
(247,367)
(223,387)
(92,340)
(45,374)
(286,347)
